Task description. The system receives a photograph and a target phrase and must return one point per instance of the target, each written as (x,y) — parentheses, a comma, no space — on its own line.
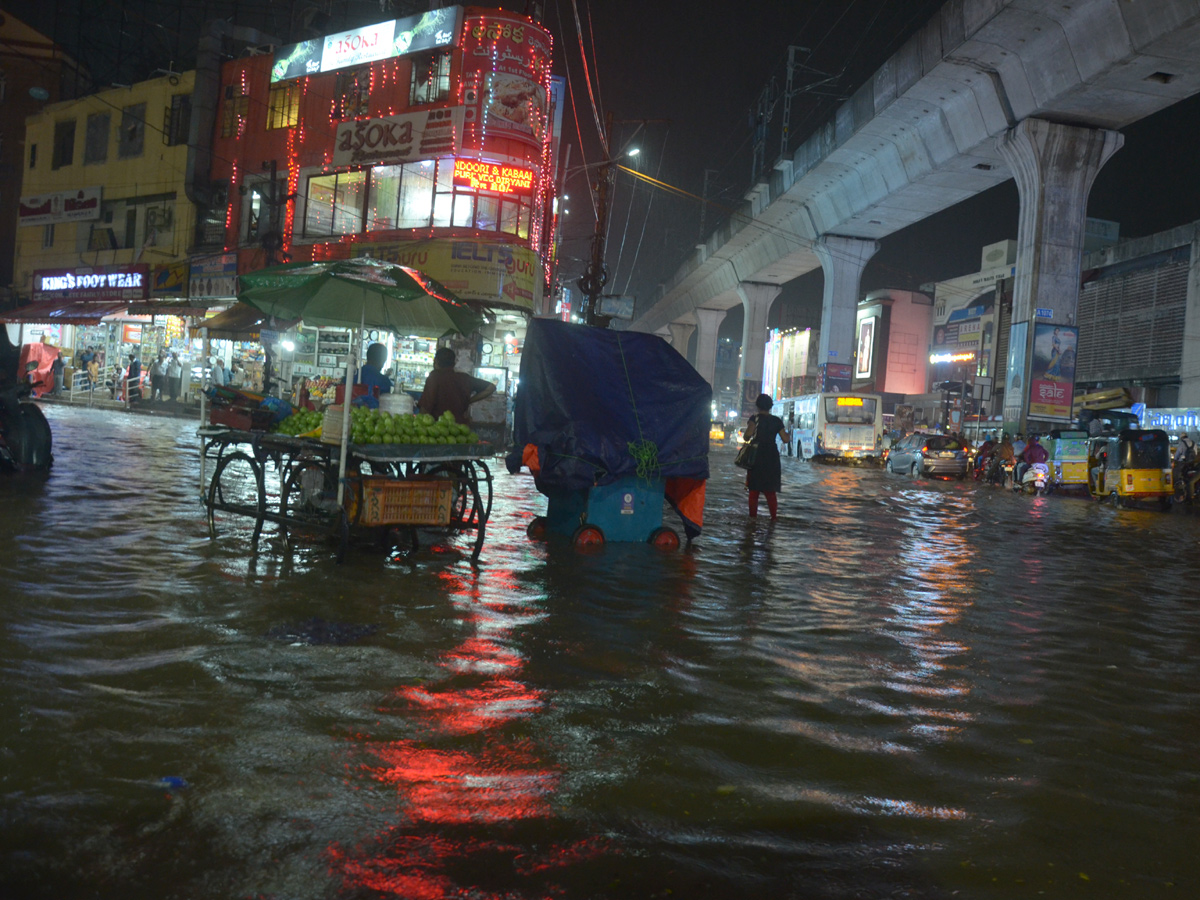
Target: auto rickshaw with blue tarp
(1130,467)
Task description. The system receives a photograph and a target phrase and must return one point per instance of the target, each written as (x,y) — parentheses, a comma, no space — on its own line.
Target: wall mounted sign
(483,176)
(80,205)
(395,139)
(128,282)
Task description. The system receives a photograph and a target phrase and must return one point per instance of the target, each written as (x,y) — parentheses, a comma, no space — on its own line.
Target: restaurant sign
(426,134)
(128,282)
(80,205)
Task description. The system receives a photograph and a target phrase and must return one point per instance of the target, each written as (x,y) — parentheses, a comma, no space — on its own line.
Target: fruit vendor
(371,375)
(447,389)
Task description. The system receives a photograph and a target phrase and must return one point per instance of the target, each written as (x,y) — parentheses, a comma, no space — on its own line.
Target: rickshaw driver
(1185,468)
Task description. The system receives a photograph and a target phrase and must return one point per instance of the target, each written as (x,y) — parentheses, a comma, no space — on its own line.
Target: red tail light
(925,449)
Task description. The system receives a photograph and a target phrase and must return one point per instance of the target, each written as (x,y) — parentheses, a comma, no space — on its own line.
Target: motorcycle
(1034,480)
(1183,473)
(26,442)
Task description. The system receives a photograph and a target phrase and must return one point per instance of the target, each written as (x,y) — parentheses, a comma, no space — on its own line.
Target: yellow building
(104,221)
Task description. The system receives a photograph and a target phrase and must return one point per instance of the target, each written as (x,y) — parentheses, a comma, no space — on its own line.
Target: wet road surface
(900,689)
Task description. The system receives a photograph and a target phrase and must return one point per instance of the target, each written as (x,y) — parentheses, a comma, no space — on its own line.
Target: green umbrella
(352,293)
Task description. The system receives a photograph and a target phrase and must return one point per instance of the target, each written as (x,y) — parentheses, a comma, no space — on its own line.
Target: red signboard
(484,176)
(506,78)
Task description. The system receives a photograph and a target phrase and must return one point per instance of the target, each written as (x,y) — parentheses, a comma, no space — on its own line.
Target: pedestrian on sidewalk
(765,477)
(133,379)
(174,377)
(158,379)
(56,369)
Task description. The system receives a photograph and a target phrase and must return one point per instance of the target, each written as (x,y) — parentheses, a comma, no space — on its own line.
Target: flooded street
(900,689)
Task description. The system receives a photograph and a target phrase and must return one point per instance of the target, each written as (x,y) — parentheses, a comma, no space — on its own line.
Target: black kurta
(766,475)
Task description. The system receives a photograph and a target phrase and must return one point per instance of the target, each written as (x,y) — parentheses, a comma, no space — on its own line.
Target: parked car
(928,454)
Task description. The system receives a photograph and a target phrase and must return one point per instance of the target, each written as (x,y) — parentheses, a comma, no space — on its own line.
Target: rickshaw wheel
(664,539)
(587,537)
(536,530)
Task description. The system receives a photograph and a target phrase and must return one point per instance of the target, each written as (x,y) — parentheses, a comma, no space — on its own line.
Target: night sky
(696,70)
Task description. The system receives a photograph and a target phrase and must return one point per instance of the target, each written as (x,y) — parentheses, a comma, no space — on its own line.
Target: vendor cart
(292,482)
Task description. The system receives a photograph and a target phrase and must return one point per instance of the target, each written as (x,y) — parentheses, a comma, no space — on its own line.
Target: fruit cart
(291,482)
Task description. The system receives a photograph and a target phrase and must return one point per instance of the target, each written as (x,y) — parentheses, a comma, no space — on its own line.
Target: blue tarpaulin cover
(597,405)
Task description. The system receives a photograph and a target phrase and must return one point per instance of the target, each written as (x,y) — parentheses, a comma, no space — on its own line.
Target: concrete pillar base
(756,302)
(681,336)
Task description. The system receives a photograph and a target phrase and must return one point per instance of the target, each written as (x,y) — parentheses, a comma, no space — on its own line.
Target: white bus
(836,426)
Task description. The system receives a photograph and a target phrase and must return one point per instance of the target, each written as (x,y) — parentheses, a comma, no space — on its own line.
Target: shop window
(335,204)
(132,138)
(233,113)
(177,120)
(350,94)
(95,141)
(64,144)
(464,211)
(385,194)
(416,195)
(430,78)
(487,213)
(283,105)
(509,216)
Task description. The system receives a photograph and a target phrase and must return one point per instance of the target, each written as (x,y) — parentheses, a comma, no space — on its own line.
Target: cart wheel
(234,495)
(664,539)
(308,506)
(587,537)
(536,530)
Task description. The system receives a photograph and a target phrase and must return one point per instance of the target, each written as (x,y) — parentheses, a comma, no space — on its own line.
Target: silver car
(928,454)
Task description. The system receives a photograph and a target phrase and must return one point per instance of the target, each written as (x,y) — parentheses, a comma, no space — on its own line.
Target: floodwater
(900,689)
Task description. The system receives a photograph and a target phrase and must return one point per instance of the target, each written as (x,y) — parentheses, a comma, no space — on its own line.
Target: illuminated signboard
(491,177)
(103,283)
(951,357)
(384,40)
(849,401)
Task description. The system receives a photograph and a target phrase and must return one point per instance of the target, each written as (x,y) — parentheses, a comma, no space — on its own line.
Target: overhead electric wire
(588,79)
(649,206)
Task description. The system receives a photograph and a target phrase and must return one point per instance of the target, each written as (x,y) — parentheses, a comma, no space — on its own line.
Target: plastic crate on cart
(241,418)
(391,501)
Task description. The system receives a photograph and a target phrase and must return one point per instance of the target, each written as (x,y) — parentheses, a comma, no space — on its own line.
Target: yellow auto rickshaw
(1130,467)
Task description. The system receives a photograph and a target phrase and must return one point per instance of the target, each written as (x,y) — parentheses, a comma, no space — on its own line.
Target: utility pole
(272,240)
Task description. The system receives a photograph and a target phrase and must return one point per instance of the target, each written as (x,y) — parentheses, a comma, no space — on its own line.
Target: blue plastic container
(629,509)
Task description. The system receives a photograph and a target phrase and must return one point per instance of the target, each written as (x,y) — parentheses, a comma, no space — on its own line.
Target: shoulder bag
(747,455)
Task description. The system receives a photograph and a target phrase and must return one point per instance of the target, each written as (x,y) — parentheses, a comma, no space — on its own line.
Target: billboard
(506,78)
(1052,374)
(390,140)
(80,205)
(383,40)
(211,277)
(482,271)
(117,282)
(866,347)
(1015,372)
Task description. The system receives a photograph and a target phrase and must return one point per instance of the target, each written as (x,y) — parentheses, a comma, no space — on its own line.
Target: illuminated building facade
(429,141)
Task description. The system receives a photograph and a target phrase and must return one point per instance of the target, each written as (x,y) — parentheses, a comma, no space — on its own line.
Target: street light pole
(595,276)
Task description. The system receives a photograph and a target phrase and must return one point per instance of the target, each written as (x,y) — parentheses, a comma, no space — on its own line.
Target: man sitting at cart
(447,389)
(371,375)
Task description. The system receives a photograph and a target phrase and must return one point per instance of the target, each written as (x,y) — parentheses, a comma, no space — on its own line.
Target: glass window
(523,222)
(283,105)
(33,156)
(177,120)
(385,194)
(95,143)
(335,203)
(464,210)
(487,213)
(350,94)
(509,215)
(416,195)
(64,144)
(430,78)
(133,131)
(233,113)
(47,237)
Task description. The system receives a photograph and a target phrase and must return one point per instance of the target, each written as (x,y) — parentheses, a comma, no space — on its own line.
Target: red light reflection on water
(465,771)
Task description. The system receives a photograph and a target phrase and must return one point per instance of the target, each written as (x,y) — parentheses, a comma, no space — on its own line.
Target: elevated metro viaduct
(988,90)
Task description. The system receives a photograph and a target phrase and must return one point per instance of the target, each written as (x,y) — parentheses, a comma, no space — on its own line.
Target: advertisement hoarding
(118,282)
(473,270)
(213,276)
(1052,374)
(1015,373)
(506,78)
(383,40)
(80,205)
(390,140)
(866,347)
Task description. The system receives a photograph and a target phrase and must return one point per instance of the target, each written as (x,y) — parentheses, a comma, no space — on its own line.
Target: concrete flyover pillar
(842,260)
(756,302)
(1054,167)
(708,323)
(681,335)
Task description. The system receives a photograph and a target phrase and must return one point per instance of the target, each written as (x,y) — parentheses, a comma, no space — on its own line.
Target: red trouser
(772,503)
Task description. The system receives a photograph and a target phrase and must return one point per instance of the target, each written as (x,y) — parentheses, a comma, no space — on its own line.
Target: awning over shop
(241,322)
(177,307)
(60,312)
